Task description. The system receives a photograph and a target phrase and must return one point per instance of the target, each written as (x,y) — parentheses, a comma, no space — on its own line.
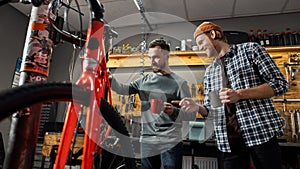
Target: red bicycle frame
(95,79)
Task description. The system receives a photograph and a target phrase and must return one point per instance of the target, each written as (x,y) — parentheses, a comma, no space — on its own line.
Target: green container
(197,130)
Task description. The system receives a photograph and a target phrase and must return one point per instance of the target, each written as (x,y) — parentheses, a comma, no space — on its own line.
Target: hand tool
(294,135)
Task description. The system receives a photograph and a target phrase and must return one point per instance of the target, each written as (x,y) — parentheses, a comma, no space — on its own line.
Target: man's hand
(228,95)
(259,92)
(109,75)
(168,108)
(188,104)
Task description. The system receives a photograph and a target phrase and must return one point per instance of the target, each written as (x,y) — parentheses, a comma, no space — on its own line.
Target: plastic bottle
(297,38)
(189,44)
(252,37)
(260,38)
(294,38)
(266,38)
(183,45)
(272,39)
(288,37)
(278,39)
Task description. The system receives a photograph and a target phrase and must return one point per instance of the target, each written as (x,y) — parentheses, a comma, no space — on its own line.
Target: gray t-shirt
(158,128)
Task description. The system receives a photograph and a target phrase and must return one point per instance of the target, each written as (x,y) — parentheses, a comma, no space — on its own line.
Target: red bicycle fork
(95,79)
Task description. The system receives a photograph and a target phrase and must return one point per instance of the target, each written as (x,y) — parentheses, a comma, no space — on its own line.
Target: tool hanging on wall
(287,72)
(123,99)
(294,129)
(119,108)
(295,71)
(286,118)
(126,107)
(298,120)
(290,71)
(286,123)
(193,90)
(131,100)
(294,134)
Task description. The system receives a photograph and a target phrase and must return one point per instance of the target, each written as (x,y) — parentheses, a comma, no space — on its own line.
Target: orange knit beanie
(206,27)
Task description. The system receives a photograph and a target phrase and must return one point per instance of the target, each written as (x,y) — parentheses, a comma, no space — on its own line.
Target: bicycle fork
(92,133)
(92,79)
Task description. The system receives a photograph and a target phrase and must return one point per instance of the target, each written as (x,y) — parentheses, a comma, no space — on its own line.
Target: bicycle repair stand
(192,145)
(194,166)
(196,132)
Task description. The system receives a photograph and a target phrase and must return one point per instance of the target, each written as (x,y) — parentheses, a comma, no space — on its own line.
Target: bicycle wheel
(29,94)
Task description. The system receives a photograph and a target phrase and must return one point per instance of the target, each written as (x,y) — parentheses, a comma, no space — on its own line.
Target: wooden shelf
(283,48)
(179,58)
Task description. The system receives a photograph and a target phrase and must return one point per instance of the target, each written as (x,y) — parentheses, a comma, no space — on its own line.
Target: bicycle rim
(29,94)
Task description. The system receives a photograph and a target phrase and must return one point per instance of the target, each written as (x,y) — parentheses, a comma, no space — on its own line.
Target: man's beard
(156,70)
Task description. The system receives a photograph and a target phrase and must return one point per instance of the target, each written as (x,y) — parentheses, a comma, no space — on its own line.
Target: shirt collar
(230,54)
(232,51)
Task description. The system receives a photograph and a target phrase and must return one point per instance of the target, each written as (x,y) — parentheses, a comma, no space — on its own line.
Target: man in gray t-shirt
(161,131)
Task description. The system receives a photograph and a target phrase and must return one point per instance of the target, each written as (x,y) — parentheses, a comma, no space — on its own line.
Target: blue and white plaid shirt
(247,65)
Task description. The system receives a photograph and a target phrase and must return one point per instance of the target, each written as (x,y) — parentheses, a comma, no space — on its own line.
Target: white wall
(184,30)
(273,23)
(12,32)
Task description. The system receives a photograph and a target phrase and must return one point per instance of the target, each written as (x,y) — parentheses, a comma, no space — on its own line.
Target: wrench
(294,135)
(286,120)
(298,120)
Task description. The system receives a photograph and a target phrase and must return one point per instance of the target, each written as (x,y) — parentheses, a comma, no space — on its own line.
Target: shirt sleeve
(269,71)
(185,90)
(124,89)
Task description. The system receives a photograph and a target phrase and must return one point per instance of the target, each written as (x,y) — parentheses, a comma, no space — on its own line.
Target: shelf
(180,58)
(172,53)
(177,58)
(283,48)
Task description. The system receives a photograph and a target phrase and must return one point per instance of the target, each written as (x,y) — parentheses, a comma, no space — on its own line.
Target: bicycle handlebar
(109,32)
(96,5)
(97,9)
(3,2)
(34,2)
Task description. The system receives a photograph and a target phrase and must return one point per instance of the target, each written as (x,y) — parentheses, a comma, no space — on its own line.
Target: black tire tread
(14,99)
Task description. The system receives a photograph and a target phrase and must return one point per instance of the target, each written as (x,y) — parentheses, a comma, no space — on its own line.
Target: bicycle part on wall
(35,66)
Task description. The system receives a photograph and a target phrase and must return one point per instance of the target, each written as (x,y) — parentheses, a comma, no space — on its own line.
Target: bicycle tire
(17,98)
(14,99)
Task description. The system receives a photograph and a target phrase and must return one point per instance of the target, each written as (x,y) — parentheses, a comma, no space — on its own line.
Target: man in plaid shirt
(245,78)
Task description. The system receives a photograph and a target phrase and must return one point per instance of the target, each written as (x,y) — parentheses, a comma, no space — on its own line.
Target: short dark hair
(159,42)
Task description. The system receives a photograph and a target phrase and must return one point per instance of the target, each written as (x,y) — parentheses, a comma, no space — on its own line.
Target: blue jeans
(170,159)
